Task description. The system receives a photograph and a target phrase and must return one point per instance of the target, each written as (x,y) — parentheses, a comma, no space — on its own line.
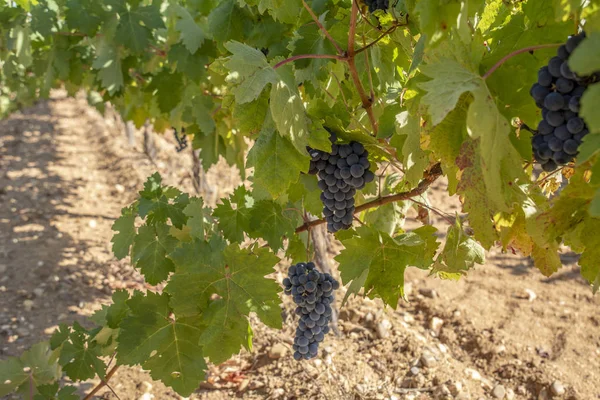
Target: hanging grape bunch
(341,173)
(377,5)
(312,292)
(558,92)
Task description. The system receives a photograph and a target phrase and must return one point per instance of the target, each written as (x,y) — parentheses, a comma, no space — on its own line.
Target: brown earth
(504,331)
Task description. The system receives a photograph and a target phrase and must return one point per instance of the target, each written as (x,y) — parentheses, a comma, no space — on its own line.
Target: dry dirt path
(65,172)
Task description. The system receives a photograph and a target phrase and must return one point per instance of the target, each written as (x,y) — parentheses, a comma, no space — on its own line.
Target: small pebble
(428,292)
(28,305)
(414,371)
(383,329)
(277,351)
(557,388)
(498,392)
(427,360)
(531,296)
(473,374)
(436,324)
(145,386)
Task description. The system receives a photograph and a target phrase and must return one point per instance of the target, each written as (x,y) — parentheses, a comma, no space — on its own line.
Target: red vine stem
(430,176)
(367,102)
(323,29)
(301,56)
(517,52)
(103,382)
(374,42)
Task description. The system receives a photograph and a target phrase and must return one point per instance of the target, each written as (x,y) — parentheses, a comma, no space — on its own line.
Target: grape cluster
(558,92)
(312,292)
(377,5)
(341,173)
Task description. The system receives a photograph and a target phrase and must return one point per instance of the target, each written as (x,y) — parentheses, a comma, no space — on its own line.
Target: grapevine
(442,98)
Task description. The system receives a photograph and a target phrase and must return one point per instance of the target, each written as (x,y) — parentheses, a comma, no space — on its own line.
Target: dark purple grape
(544,128)
(561,158)
(357,148)
(562,52)
(357,170)
(570,146)
(549,166)
(562,133)
(544,77)
(554,66)
(555,118)
(352,159)
(555,144)
(566,72)
(539,92)
(554,101)
(573,42)
(575,125)
(369,176)
(564,85)
(574,103)
(544,152)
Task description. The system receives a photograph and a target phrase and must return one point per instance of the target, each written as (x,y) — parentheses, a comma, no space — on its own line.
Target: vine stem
(374,42)
(515,53)
(323,29)
(301,56)
(103,382)
(431,175)
(367,102)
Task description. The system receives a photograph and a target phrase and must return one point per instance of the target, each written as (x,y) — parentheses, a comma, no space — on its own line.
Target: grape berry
(557,92)
(342,172)
(312,292)
(377,5)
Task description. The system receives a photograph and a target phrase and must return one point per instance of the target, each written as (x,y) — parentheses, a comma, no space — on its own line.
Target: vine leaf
(196,215)
(237,276)
(123,240)
(192,35)
(233,222)
(135,25)
(415,160)
(276,161)
(251,69)
(118,309)
(167,347)
(460,253)
(80,356)
(155,203)
(585,60)
(590,268)
(150,247)
(36,366)
(268,221)
(385,257)
(52,392)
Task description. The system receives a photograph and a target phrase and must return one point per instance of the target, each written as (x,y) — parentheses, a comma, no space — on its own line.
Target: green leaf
(226,22)
(475,199)
(192,35)
(43,19)
(167,347)
(196,215)
(155,203)
(118,309)
(80,356)
(237,276)
(135,27)
(233,222)
(415,160)
(288,110)
(268,221)
(585,60)
(84,16)
(249,66)
(589,108)
(386,259)
(59,336)
(125,225)
(312,41)
(34,367)
(277,164)
(590,268)
(168,88)
(460,253)
(150,248)
(26,4)
(108,63)
(51,392)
